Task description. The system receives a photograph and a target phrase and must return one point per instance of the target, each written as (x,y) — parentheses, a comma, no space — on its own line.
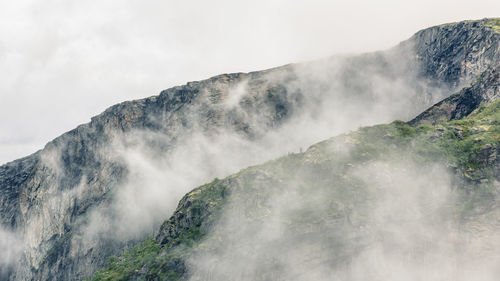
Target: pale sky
(64,61)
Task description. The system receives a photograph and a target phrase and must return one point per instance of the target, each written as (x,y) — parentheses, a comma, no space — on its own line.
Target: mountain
(385,202)
(101,188)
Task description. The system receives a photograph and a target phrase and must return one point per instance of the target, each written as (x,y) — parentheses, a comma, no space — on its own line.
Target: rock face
(50,198)
(483,89)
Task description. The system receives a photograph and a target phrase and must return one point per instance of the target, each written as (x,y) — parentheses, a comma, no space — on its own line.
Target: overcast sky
(63,61)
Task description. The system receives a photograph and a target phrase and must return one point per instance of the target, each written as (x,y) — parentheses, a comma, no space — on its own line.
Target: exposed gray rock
(475,58)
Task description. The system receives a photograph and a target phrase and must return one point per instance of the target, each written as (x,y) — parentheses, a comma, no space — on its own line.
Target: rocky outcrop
(482,91)
(457,53)
(476,58)
(48,198)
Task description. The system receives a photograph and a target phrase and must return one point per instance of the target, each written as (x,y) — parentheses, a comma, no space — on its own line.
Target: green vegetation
(494,24)
(132,260)
(459,143)
(465,140)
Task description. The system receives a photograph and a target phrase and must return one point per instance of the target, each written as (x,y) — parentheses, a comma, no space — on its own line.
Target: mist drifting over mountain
(279,197)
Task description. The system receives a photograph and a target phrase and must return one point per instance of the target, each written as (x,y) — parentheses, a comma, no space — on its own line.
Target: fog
(162,167)
(62,62)
(321,99)
(401,224)
(10,247)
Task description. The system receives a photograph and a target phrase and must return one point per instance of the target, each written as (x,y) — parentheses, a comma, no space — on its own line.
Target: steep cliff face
(483,88)
(459,54)
(54,198)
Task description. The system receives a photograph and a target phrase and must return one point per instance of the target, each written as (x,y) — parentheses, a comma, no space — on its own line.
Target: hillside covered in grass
(416,197)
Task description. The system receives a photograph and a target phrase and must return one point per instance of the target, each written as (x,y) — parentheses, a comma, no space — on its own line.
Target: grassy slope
(459,144)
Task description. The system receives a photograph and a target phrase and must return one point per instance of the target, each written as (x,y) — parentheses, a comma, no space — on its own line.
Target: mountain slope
(67,201)
(421,199)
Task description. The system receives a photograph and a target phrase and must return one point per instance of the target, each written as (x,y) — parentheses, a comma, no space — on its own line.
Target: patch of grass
(131,261)
(403,129)
(494,24)
(480,130)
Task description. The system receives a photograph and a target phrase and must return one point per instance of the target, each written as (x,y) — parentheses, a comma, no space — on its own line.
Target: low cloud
(400,226)
(11,247)
(317,100)
(161,167)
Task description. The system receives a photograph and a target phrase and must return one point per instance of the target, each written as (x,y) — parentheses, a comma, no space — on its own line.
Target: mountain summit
(100,189)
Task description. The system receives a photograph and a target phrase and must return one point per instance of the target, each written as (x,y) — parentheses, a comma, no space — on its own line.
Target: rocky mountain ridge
(49,198)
